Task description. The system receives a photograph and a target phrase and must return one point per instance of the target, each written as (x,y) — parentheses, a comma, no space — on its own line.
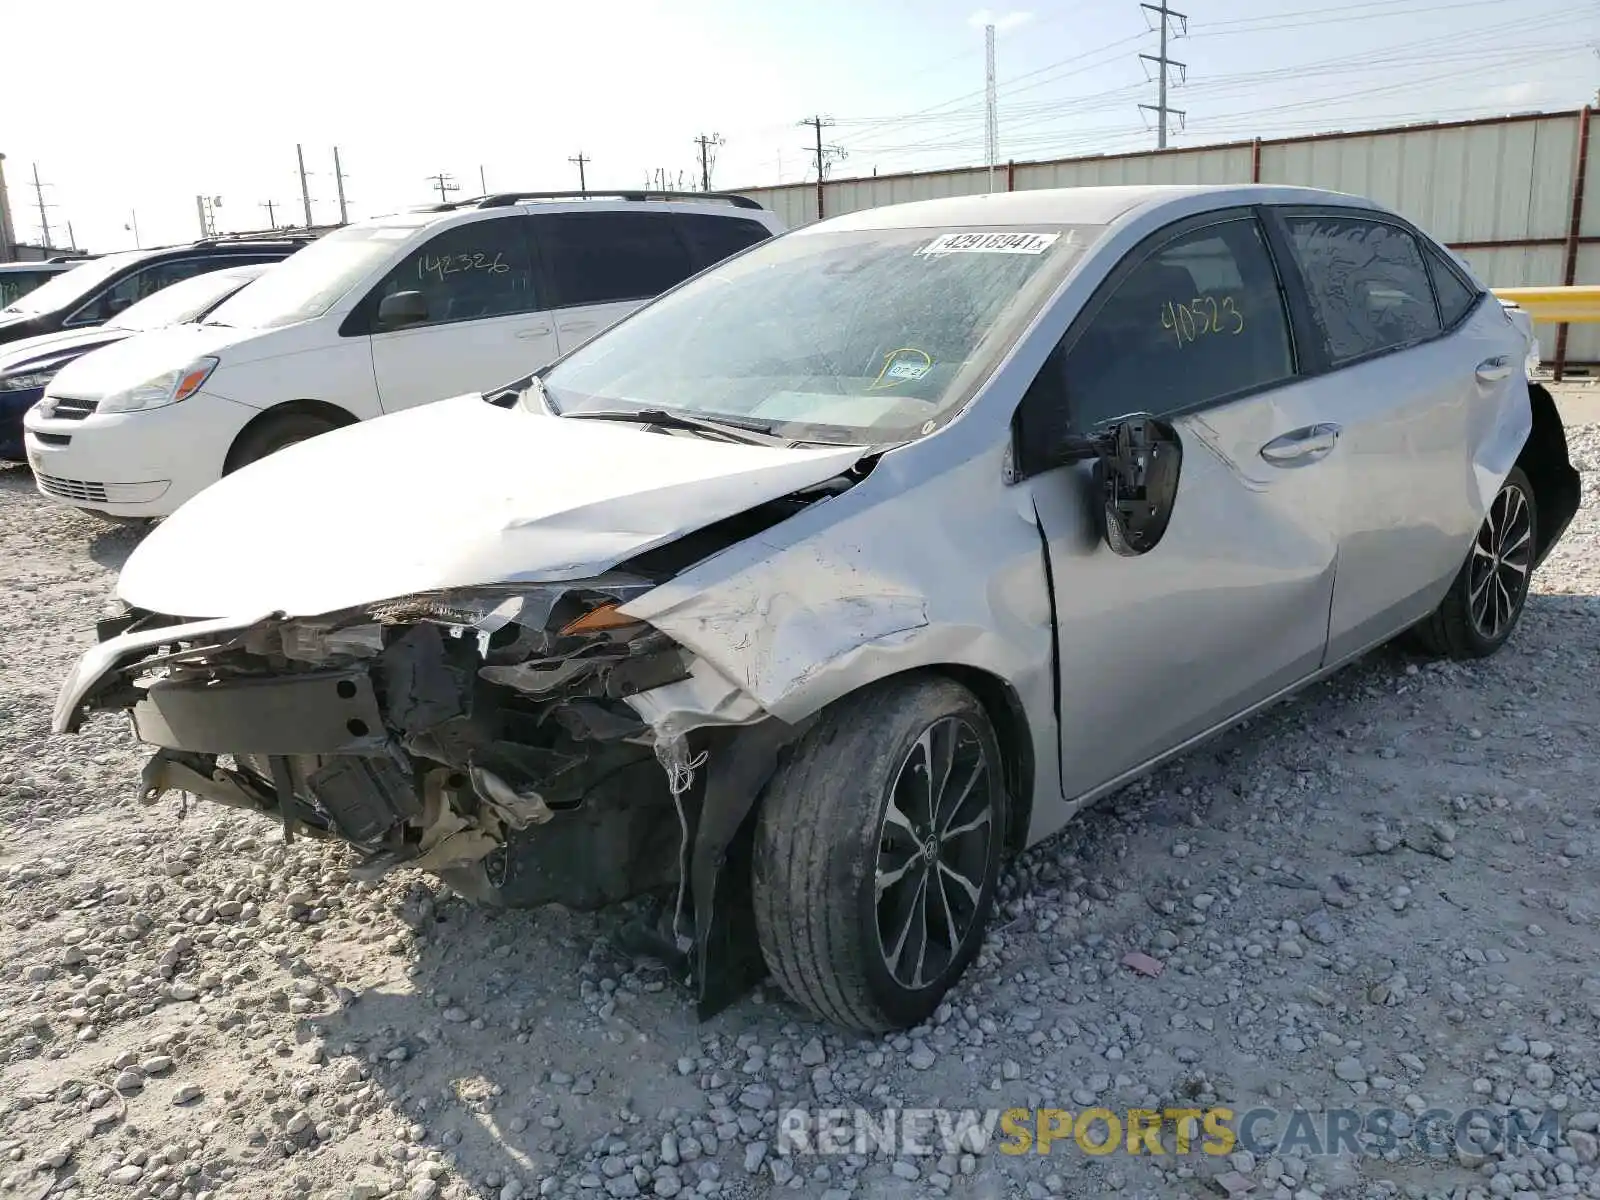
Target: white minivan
(378,316)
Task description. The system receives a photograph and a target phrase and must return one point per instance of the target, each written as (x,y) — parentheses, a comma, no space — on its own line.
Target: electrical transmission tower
(1163,63)
(446,183)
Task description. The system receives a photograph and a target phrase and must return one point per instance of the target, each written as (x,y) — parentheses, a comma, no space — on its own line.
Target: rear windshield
(867,336)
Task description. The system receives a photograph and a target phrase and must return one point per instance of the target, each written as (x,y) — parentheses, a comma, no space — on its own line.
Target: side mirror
(402,308)
(1136,467)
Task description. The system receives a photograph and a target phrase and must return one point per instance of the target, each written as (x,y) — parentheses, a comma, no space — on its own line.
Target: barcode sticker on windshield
(990,243)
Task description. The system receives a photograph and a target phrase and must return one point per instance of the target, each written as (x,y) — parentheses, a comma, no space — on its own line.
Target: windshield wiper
(733,431)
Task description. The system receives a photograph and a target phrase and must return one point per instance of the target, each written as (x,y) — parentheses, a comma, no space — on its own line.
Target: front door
(1418,379)
(484,324)
(1231,606)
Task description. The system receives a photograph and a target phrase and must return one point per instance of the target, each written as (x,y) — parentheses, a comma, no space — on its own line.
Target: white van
(379,316)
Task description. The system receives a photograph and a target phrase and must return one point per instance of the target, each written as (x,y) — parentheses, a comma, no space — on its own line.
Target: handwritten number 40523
(453,264)
(1202,315)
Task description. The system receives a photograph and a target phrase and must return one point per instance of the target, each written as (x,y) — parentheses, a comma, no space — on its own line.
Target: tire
(273,434)
(825,831)
(1490,591)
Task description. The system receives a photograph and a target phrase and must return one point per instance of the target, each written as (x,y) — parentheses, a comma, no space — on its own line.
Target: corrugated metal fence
(1506,192)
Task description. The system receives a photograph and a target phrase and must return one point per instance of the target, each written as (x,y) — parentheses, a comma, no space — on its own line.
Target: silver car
(795,603)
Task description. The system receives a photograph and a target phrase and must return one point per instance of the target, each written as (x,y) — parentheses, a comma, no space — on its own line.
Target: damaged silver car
(803,597)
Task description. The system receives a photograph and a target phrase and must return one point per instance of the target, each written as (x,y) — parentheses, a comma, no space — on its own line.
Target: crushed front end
(486,735)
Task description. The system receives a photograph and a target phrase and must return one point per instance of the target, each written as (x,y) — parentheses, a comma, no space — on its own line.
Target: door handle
(576,326)
(1493,370)
(1301,447)
(538,331)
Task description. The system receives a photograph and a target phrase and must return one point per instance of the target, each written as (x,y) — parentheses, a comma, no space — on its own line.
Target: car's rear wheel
(1490,591)
(274,433)
(877,850)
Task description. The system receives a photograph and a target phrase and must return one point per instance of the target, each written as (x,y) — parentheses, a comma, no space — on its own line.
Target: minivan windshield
(867,336)
(186,300)
(313,280)
(66,289)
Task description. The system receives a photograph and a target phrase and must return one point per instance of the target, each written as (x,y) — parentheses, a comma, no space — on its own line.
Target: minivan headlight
(166,388)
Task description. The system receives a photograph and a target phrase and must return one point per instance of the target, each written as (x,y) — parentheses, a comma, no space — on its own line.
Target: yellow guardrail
(1556,305)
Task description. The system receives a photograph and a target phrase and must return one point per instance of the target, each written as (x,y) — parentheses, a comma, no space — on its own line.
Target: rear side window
(1456,299)
(470,272)
(1368,284)
(1199,319)
(712,239)
(606,257)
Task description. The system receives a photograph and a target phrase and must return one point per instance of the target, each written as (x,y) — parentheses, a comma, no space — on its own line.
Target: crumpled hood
(143,356)
(448,495)
(49,348)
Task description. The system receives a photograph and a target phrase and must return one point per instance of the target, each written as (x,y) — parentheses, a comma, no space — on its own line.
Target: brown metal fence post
(1011,175)
(1255,161)
(1569,269)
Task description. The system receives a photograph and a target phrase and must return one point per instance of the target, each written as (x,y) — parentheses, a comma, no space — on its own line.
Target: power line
(580,160)
(1162,64)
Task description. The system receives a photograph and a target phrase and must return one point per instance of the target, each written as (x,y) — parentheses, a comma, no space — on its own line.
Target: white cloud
(1002,22)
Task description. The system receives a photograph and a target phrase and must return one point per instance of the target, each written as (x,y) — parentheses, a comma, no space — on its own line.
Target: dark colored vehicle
(94,292)
(18,279)
(28,365)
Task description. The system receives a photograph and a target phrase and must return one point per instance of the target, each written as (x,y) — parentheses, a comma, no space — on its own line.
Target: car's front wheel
(1490,591)
(877,850)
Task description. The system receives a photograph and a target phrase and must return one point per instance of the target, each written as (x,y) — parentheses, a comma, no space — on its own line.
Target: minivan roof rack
(506,199)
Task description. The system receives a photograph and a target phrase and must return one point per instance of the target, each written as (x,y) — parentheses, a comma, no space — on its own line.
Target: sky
(132,110)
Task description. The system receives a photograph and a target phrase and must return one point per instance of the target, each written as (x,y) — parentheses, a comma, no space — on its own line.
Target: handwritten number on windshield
(441,265)
(1202,315)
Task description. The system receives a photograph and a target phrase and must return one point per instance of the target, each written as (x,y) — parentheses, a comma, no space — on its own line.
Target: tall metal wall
(1508,193)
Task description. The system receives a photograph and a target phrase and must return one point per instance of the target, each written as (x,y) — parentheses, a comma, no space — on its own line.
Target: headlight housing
(169,387)
(25,381)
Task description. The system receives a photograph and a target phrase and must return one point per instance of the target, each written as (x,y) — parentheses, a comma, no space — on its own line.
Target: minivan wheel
(275,433)
(1490,591)
(877,849)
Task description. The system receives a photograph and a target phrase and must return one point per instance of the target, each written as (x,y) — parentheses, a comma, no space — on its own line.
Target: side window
(1368,285)
(1199,319)
(131,289)
(469,272)
(1456,298)
(606,257)
(712,239)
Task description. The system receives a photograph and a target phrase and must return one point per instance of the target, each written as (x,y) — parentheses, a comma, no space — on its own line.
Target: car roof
(42,266)
(717,204)
(1071,206)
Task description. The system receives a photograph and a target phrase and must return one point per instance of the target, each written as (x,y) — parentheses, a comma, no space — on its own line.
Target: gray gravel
(1383,894)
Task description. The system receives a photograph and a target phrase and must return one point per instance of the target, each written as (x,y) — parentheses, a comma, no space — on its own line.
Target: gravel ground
(1383,893)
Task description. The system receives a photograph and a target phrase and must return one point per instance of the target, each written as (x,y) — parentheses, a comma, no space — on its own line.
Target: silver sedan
(794,604)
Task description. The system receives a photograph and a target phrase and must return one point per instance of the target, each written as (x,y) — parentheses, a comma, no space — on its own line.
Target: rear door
(598,266)
(1414,381)
(485,325)
(1231,607)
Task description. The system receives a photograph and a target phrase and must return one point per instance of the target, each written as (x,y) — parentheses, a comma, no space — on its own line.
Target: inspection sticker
(990,243)
(906,370)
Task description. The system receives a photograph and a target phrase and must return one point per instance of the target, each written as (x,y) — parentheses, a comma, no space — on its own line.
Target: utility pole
(482,181)
(446,183)
(272,220)
(38,193)
(707,158)
(134,226)
(305,188)
(991,105)
(580,161)
(825,155)
(72,238)
(1163,63)
(338,178)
